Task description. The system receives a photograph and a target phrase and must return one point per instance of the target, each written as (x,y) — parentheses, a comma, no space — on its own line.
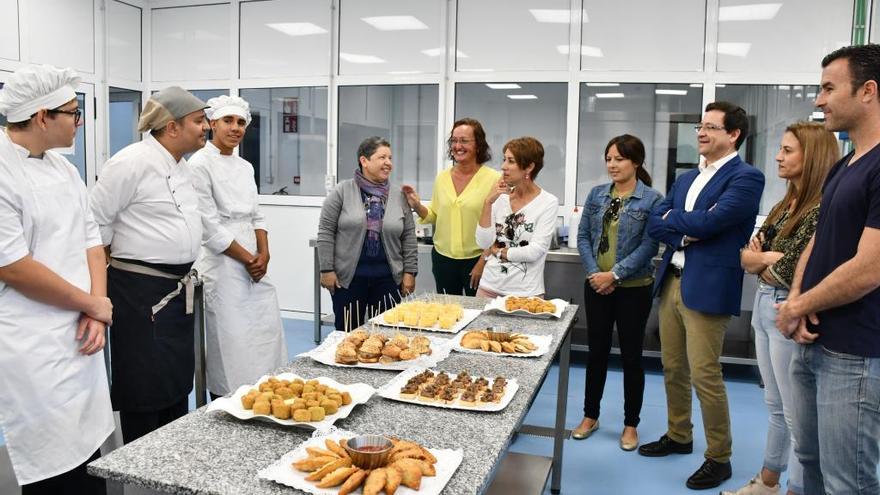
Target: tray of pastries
(450,390)
(377,350)
(291,400)
(433,316)
(530,307)
(499,343)
(341,462)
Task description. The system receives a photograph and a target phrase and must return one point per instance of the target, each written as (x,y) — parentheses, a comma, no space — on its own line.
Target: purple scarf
(375,196)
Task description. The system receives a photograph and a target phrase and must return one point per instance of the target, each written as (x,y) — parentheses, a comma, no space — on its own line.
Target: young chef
(54,402)
(245,338)
(147,209)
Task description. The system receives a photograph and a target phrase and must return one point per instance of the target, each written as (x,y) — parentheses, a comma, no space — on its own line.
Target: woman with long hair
(805,155)
(456,202)
(616,251)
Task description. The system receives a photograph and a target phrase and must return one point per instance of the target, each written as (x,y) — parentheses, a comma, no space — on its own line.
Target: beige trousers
(690,343)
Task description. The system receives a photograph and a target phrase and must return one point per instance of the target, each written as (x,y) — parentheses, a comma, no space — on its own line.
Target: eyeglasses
(77,114)
(611,214)
(464,142)
(708,127)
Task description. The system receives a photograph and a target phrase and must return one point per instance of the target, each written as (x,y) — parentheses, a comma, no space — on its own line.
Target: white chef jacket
(707,171)
(54,402)
(244,337)
(146,206)
(230,193)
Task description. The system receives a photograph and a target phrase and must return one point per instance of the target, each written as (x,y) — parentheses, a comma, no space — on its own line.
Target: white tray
(360,394)
(391,390)
(468,316)
(282,472)
(497,306)
(542,341)
(326,354)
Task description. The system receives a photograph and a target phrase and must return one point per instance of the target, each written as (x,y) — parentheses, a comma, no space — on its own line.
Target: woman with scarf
(363,212)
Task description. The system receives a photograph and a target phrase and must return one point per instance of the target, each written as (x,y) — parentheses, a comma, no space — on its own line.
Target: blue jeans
(836,419)
(774,354)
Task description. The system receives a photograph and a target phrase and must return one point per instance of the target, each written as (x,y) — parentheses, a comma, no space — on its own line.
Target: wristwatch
(616,278)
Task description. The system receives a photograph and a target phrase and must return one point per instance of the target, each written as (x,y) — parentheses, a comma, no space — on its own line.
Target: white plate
(497,305)
(468,316)
(282,472)
(391,390)
(326,354)
(542,341)
(360,393)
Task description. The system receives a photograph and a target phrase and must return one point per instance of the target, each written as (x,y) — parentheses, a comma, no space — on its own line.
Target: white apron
(244,334)
(54,402)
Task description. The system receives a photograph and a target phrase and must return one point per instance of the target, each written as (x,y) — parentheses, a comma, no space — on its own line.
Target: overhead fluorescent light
(395,23)
(734,49)
(296,28)
(586,51)
(360,59)
(817,115)
(610,95)
(603,85)
(696,85)
(783,86)
(811,95)
(503,86)
(720,85)
(555,16)
(437,52)
(672,92)
(752,12)
(404,72)
(522,97)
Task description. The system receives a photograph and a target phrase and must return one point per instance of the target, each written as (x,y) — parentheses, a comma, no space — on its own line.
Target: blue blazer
(723,219)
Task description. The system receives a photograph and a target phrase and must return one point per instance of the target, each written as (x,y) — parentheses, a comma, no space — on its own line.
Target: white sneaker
(755,486)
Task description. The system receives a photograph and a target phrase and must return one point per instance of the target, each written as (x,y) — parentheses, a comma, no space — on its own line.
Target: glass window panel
(661,115)
(679,48)
(125,108)
(2,117)
(123,40)
(522,38)
(390,37)
(9,30)
(875,22)
(190,43)
(542,116)
(78,157)
(406,116)
(286,141)
(61,33)
(771,108)
(755,37)
(285,38)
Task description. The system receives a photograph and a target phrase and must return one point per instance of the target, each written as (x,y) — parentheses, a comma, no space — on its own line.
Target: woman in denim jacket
(617,252)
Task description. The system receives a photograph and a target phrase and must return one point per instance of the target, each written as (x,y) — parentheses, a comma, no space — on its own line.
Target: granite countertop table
(216,453)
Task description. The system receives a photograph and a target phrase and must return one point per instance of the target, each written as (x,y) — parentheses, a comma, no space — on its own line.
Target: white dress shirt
(707,171)
(146,205)
(227,193)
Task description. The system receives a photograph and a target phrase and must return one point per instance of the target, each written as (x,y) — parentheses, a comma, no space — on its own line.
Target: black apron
(152,359)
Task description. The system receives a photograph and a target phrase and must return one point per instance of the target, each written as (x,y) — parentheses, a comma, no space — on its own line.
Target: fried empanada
(329,468)
(310,464)
(425,467)
(336,477)
(353,482)
(375,482)
(319,452)
(335,448)
(411,475)
(393,477)
(414,452)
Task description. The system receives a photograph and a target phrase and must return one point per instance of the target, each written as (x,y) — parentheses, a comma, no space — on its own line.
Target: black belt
(675,270)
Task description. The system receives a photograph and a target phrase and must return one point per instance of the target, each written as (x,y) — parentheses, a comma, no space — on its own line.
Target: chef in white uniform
(54,402)
(147,209)
(245,338)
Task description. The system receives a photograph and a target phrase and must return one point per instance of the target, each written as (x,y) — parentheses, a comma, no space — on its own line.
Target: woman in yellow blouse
(456,203)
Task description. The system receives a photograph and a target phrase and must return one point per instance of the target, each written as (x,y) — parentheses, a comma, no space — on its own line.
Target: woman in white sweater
(516,225)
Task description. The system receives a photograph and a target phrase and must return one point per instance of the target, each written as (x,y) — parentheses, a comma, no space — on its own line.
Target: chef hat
(35,87)
(169,104)
(221,106)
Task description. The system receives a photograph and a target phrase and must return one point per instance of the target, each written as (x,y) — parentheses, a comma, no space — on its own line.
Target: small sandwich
(370,352)
(346,354)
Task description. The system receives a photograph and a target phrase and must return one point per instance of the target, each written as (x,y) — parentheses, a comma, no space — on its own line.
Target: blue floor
(597,465)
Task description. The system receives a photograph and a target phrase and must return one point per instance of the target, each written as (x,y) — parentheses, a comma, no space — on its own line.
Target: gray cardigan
(343,226)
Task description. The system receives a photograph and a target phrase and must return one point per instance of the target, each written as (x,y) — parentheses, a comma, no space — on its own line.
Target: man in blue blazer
(706,218)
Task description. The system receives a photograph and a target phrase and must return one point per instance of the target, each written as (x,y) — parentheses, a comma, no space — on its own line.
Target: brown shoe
(629,442)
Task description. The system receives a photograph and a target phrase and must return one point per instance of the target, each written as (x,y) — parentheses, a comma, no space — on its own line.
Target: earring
(527,177)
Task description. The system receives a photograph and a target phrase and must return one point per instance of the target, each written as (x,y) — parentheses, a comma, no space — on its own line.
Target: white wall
(9,29)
